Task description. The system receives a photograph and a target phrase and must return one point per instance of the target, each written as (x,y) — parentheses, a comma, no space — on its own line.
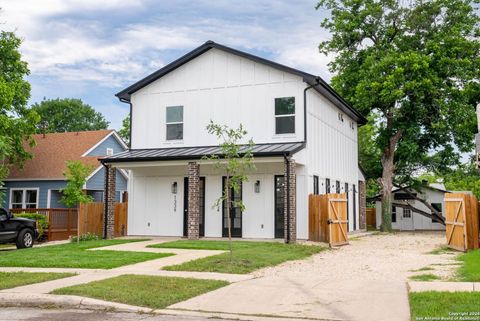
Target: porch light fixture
(257,187)
(174,188)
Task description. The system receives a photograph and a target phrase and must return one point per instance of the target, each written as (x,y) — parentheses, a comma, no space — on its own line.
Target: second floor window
(174,123)
(285,115)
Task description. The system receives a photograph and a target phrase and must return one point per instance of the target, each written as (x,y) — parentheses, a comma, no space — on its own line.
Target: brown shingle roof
(52,151)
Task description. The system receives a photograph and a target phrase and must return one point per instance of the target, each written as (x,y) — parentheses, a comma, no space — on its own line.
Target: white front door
(406,219)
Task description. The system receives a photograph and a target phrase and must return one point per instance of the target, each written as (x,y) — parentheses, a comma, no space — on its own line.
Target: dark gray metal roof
(190,153)
(323,88)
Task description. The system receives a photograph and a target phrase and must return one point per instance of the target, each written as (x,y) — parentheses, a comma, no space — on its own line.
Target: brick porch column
(290,208)
(193,218)
(362,200)
(109,202)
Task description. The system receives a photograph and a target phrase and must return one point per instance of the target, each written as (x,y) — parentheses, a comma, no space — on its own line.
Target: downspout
(105,201)
(123,100)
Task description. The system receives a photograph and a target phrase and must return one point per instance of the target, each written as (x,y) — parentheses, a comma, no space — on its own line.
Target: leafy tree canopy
(17,122)
(124,132)
(76,176)
(67,115)
(413,70)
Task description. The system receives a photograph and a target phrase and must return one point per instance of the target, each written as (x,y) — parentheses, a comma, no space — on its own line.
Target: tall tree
(234,162)
(124,132)
(67,115)
(412,68)
(17,122)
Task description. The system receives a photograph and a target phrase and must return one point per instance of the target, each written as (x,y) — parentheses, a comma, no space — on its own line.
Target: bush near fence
(42,222)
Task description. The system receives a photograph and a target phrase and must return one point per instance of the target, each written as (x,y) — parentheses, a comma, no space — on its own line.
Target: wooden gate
(461,220)
(121,215)
(328,220)
(371,217)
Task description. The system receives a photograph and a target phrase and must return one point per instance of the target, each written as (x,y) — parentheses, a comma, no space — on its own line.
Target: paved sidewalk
(418,286)
(152,267)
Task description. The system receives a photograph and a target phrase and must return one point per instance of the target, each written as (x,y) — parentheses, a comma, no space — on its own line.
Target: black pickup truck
(17,230)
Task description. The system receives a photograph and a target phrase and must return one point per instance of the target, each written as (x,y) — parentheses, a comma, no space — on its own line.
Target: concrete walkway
(152,267)
(444,286)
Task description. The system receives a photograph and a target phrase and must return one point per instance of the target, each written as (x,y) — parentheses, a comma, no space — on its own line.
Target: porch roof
(190,153)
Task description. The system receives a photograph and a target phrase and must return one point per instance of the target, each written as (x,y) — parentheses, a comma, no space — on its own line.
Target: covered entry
(172,192)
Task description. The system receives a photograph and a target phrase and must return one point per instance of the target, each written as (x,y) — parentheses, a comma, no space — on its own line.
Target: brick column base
(109,202)
(290,208)
(193,218)
(362,199)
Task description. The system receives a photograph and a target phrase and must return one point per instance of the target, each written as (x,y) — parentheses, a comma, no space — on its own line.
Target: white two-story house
(305,139)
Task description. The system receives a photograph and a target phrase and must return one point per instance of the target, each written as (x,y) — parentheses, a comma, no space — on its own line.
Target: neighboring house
(300,126)
(38,183)
(405,219)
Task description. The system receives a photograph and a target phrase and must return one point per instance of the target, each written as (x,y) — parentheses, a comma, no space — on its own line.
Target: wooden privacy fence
(461,220)
(371,217)
(91,218)
(62,222)
(328,221)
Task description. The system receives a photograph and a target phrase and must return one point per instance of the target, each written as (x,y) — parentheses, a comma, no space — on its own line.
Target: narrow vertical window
(337,187)
(327,185)
(174,122)
(394,214)
(285,115)
(315,185)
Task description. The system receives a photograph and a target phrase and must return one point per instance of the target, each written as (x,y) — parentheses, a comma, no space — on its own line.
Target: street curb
(9,299)
(52,301)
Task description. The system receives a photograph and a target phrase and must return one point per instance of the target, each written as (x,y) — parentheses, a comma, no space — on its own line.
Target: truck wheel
(25,239)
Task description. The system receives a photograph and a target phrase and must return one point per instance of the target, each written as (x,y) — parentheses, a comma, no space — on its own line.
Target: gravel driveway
(365,280)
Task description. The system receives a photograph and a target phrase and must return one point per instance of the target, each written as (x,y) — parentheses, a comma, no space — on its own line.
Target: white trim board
(12,189)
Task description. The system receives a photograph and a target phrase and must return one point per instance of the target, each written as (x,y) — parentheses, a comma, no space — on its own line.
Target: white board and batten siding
(216,86)
(230,89)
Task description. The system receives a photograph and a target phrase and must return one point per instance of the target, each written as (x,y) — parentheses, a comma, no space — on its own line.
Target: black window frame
(394,214)
(173,123)
(277,116)
(316,190)
(327,185)
(337,187)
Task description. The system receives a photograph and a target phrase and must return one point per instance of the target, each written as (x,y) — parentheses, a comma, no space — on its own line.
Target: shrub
(86,237)
(42,222)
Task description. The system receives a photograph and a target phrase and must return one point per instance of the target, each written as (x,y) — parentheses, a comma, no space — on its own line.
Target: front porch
(174,197)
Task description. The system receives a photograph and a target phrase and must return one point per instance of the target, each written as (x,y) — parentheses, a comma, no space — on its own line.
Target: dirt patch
(395,257)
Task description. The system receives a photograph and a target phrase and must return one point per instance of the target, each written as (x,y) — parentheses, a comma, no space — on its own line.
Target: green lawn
(154,292)
(444,304)
(71,255)
(10,280)
(247,256)
(470,270)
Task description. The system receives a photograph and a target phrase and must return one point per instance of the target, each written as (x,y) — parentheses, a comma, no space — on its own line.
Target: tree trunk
(386,182)
(229,225)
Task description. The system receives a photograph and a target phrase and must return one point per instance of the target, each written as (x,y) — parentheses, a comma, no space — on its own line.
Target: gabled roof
(53,150)
(320,85)
(190,153)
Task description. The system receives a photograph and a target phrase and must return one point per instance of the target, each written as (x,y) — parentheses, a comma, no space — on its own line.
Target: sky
(92,49)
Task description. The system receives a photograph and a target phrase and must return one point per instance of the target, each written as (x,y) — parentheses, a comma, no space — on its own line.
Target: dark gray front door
(235,213)
(279,206)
